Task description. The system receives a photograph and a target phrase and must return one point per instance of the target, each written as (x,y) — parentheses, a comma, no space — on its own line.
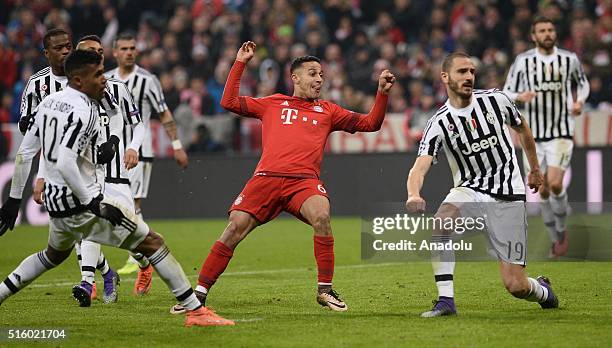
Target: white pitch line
(65,282)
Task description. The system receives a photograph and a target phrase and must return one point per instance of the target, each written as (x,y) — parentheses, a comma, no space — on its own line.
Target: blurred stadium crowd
(191,45)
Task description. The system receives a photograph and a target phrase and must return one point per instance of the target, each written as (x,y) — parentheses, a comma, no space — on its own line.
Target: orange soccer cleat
(94,291)
(204,316)
(143,282)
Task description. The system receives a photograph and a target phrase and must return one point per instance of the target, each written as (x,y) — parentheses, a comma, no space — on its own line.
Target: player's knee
(556,187)
(321,220)
(516,287)
(150,244)
(55,256)
(235,232)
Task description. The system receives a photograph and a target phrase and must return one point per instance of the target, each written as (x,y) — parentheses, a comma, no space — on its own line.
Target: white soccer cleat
(332,300)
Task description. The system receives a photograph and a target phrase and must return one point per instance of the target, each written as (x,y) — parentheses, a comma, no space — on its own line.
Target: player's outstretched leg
(239,226)
(315,210)
(443,264)
(171,272)
(520,286)
(31,268)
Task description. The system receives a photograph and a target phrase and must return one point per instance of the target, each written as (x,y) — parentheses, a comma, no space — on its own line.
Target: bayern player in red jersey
(295,130)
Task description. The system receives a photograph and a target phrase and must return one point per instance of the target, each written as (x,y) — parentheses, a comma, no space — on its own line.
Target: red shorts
(265,197)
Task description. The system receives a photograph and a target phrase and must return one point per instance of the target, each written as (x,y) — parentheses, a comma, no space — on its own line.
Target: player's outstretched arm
(231,93)
(416,177)
(374,119)
(385,81)
(534,178)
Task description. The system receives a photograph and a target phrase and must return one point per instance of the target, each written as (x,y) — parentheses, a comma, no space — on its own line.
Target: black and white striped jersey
(550,76)
(477,143)
(117,96)
(40,85)
(149,97)
(67,124)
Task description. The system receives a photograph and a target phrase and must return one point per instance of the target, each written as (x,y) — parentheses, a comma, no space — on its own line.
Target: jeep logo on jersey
(549,86)
(104,120)
(288,114)
(479,145)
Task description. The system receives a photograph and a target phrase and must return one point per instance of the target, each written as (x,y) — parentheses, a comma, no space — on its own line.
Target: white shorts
(554,153)
(140,177)
(120,193)
(506,222)
(64,232)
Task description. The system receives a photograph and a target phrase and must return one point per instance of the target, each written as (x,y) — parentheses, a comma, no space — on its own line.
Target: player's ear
(295,78)
(444,76)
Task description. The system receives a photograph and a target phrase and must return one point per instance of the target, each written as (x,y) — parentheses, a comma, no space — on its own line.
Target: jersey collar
(56,77)
(546,57)
(136,67)
(463,111)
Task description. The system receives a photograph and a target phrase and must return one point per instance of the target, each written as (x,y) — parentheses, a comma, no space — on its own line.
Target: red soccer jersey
(295,130)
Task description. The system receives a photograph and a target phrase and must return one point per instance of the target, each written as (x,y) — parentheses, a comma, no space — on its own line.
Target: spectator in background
(166,81)
(195,39)
(200,102)
(216,84)
(86,17)
(5,117)
(202,141)
(8,67)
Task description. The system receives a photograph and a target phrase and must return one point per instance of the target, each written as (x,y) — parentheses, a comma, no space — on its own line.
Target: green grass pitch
(269,289)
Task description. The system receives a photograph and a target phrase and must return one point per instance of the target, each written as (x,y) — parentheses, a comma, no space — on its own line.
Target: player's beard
(546,44)
(458,90)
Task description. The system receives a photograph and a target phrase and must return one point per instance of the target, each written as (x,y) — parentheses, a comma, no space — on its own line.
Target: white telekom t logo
(288,115)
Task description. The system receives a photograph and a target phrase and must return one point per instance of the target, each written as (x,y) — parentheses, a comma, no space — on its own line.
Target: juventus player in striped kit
(65,128)
(541,78)
(58,44)
(116,179)
(472,130)
(149,97)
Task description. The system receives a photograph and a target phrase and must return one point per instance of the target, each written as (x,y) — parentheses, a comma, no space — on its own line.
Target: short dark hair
(538,20)
(92,37)
(448,60)
(79,59)
(52,33)
(128,35)
(297,62)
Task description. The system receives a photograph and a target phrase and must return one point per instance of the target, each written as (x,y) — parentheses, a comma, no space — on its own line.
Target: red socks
(324,254)
(220,256)
(215,263)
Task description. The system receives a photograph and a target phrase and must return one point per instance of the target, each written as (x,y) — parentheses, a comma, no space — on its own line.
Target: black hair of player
(297,62)
(538,20)
(128,35)
(448,60)
(52,33)
(92,37)
(79,59)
